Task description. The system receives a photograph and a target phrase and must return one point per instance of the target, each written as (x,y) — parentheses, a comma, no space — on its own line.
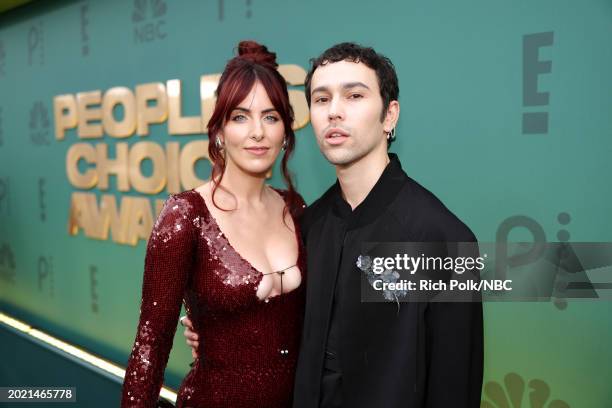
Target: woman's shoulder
(179,205)
(175,223)
(185,200)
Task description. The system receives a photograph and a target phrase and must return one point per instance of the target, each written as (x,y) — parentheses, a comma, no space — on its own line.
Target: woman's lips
(257,151)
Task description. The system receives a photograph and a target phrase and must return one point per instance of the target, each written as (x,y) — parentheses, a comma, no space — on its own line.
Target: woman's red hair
(253,63)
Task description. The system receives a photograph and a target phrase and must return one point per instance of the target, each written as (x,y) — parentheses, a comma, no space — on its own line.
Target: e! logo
(93,286)
(221,13)
(2,56)
(41,199)
(4,196)
(84,26)
(249,13)
(535,122)
(1,135)
(8,269)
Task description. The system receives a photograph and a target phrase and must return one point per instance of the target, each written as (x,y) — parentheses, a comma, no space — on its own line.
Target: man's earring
(391,135)
(219,143)
(284,147)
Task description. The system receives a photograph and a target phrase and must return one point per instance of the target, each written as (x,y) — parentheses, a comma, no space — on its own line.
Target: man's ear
(391,117)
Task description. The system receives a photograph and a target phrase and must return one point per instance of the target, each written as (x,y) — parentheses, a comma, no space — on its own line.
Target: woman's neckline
(259,273)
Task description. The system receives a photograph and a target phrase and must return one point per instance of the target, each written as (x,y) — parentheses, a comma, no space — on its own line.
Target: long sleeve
(455,355)
(168,262)
(454,336)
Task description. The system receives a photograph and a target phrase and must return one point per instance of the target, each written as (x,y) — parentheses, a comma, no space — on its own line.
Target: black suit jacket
(424,355)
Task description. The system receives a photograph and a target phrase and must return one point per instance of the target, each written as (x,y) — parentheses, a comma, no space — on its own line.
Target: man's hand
(191,337)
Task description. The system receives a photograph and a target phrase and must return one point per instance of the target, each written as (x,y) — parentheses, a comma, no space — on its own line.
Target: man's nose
(335,109)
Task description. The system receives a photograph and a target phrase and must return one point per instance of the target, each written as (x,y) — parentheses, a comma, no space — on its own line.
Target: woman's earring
(219,143)
(284,147)
(391,135)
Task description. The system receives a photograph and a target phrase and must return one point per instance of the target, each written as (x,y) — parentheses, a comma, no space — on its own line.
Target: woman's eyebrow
(246,110)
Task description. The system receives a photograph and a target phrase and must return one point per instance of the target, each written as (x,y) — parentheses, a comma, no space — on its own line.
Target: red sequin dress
(248,347)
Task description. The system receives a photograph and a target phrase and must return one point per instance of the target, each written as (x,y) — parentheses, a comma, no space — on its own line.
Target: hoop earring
(284,147)
(219,143)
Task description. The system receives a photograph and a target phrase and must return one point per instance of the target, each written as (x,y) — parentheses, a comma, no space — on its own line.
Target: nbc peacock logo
(148,22)
(515,393)
(158,9)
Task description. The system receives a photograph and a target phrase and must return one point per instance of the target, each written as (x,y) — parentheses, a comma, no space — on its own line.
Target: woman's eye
(271,118)
(239,118)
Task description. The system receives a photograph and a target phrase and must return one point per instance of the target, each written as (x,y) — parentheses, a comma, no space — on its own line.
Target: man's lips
(336,136)
(335,132)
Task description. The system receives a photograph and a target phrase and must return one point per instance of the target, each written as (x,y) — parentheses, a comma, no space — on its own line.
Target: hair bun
(255,52)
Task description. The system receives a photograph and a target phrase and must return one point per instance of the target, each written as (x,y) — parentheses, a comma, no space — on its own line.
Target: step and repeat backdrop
(506,115)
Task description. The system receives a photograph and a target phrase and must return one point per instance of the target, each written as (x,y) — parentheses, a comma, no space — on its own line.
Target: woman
(231,249)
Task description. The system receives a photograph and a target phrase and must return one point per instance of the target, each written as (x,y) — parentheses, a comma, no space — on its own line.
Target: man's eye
(321,99)
(356,96)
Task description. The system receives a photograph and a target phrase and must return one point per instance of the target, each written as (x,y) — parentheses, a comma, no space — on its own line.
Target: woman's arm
(168,262)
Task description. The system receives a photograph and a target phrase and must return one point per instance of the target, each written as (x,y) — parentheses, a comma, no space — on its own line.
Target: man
(358,354)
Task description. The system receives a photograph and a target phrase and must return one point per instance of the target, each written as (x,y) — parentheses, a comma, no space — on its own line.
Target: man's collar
(378,199)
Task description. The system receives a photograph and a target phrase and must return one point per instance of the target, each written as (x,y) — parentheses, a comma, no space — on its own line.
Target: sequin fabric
(248,347)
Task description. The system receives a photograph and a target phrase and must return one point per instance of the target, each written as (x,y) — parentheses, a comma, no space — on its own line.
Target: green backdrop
(467,72)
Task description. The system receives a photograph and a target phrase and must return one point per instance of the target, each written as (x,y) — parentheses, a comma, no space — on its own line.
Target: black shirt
(346,219)
(420,355)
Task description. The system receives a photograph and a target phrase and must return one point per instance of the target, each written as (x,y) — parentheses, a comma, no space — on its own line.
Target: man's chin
(340,158)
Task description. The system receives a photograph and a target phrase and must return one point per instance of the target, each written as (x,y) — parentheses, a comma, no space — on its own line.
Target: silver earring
(219,143)
(284,143)
(391,135)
